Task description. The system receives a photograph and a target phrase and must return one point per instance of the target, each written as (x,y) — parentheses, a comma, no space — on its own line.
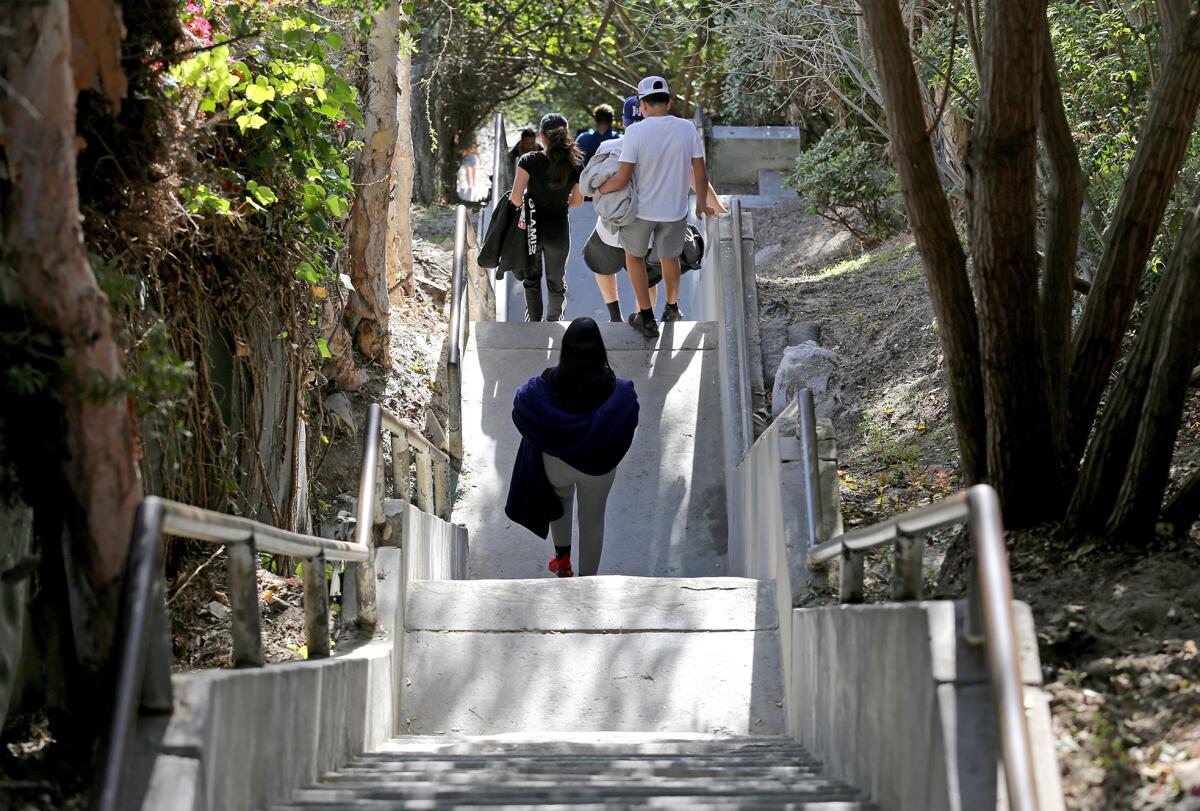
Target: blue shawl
(592,442)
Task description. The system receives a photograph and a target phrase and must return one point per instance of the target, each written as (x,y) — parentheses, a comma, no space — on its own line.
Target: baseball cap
(632,112)
(651,85)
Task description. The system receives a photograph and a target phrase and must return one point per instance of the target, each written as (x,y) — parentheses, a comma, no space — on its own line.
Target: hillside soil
(1117,628)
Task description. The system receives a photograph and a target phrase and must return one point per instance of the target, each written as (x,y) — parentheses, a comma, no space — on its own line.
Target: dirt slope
(1118,629)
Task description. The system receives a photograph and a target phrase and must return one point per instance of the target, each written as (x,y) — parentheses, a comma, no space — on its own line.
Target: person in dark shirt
(526,143)
(601,131)
(550,181)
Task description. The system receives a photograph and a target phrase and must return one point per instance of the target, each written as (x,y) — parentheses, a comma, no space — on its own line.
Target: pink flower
(194,8)
(341,125)
(200,26)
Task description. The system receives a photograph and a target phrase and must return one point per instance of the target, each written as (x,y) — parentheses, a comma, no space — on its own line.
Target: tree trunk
(400,278)
(1136,219)
(1118,430)
(426,178)
(1064,207)
(92,501)
(1149,464)
(373,255)
(933,228)
(1002,197)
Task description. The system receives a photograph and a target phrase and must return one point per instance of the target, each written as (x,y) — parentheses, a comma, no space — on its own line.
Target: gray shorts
(668,237)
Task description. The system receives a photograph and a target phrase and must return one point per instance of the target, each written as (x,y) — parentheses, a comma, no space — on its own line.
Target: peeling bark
(56,287)
(373,248)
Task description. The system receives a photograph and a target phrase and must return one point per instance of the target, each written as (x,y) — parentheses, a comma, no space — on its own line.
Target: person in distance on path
(668,157)
(601,131)
(576,421)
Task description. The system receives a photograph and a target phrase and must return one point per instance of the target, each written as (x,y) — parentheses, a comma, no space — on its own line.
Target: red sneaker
(561,566)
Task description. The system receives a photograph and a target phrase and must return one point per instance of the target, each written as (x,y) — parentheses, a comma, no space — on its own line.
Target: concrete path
(583,297)
(600,653)
(599,772)
(666,512)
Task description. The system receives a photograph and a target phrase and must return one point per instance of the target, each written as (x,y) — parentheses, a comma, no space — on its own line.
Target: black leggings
(554,246)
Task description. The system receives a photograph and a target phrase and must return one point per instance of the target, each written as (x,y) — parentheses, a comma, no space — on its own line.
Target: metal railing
(143,649)
(472,298)
(746,418)
(990,619)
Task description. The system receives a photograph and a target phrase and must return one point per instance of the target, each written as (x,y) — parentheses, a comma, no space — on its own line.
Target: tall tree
(1002,197)
(1023,333)
(933,227)
(87,503)
(378,254)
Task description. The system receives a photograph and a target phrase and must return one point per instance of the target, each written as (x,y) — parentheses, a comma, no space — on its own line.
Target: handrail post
(157,693)
(806,430)
(370,505)
(907,566)
(425,492)
(851,587)
(441,488)
(245,623)
(401,462)
(316,608)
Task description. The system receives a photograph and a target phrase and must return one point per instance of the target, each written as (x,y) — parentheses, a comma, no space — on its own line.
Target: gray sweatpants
(593,496)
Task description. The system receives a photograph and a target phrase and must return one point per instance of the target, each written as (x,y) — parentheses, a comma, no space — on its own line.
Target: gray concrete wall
(894,702)
(239,739)
(737,154)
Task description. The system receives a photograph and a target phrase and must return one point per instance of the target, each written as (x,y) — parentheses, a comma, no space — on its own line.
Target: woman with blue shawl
(576,421)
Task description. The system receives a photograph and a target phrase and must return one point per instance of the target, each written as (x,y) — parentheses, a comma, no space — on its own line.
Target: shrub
(841,175)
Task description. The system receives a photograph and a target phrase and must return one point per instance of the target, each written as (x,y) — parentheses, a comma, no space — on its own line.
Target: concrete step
(613,771)
(697,655)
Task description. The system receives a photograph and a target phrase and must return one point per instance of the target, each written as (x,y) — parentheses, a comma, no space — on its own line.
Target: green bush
(843,176)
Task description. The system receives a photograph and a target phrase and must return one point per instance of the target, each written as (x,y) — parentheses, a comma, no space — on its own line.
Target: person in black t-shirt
(550,181)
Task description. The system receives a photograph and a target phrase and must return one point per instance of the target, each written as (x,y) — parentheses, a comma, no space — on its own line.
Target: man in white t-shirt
(667,155)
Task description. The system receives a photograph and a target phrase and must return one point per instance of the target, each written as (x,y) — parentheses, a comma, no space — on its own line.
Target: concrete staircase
(634,654)
(592,771)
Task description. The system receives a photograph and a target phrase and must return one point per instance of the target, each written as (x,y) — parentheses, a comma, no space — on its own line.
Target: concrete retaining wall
(737,154)
(239,739)
(893,700)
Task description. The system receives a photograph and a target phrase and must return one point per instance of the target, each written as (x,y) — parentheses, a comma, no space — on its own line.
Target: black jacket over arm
(504,246)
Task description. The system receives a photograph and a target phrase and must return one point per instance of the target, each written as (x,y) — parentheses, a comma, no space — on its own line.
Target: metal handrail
(745,412)
(143,652)
(464,307)
(990,619)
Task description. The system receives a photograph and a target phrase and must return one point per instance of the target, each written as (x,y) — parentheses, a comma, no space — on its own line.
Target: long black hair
(582,380)
(561,149)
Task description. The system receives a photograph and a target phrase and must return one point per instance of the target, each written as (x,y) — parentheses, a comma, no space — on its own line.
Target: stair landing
(602,653)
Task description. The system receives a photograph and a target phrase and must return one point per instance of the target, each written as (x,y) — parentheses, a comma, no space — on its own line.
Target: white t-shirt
(662,147)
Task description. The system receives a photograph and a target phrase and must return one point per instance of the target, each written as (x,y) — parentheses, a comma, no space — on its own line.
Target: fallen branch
(192,576)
